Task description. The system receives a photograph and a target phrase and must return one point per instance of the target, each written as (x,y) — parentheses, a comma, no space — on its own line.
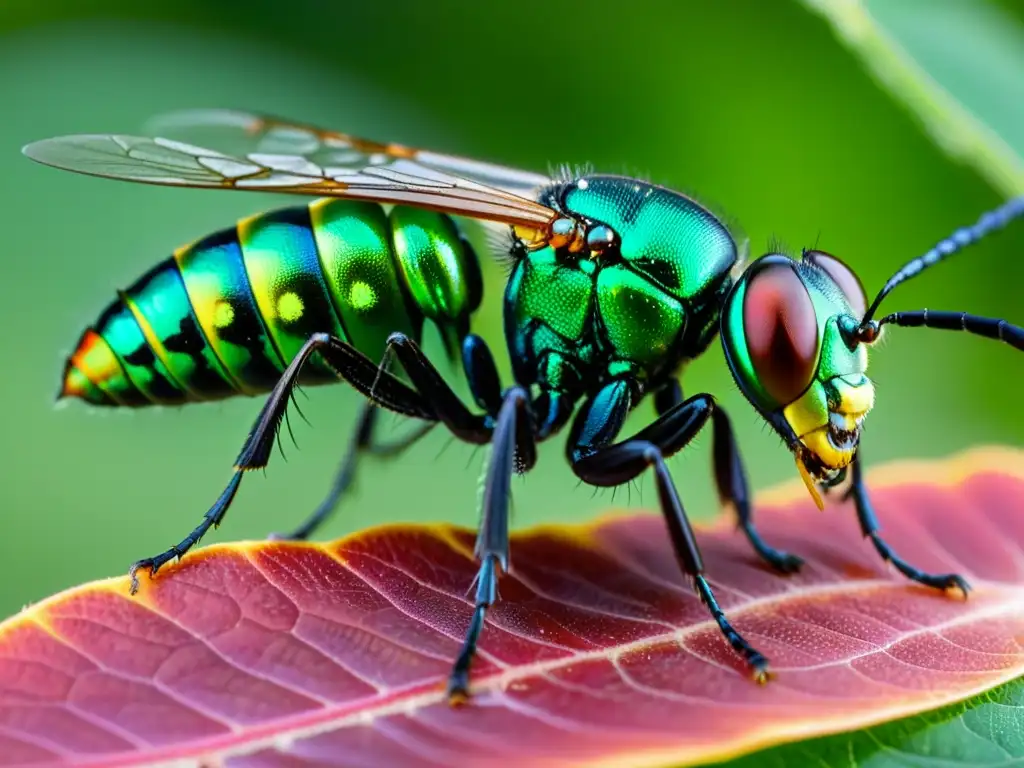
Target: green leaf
(959,66)
(985,731)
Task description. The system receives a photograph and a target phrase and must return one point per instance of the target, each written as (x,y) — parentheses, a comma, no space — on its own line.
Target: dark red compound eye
(781,330)
(842,276)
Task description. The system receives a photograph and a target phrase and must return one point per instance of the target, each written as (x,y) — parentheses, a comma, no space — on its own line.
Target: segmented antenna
(963,237)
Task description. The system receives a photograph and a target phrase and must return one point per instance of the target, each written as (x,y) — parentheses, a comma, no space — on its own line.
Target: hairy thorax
(643,298)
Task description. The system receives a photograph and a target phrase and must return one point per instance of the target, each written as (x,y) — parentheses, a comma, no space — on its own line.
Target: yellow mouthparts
(812,487)
(819,443)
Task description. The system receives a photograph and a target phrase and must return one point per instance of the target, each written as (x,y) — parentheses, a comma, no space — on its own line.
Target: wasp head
(786,328)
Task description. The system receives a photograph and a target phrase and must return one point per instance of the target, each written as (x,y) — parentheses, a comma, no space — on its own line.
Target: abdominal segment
(224,315)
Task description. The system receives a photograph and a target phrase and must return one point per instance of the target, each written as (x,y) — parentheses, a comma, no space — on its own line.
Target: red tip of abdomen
(94,374)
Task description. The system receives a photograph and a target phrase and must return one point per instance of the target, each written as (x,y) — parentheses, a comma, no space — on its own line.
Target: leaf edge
(942,472)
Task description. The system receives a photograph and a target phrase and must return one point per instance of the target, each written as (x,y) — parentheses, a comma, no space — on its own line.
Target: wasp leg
(509,428)
(352,366)
(869,527)
(432,387)
(731,478)
(362,442)
(597,462)
(482,376)
(512,450)
(732,488)
(211,519)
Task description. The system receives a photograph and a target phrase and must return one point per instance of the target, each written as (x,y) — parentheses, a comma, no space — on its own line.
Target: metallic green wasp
(615,284)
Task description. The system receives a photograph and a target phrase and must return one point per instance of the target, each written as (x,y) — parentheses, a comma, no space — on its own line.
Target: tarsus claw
(955,581)
(759,668)
(458,690)
(133,573)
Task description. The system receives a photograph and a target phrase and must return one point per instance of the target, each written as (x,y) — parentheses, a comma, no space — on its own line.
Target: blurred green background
(752,106)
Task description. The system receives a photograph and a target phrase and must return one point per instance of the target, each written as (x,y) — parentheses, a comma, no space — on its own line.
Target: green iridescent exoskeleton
(614,284)
(439,269)
(638,303)
(225,315)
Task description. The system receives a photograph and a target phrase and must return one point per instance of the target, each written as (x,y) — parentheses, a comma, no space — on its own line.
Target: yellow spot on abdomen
(361,295)
(289,307)
(223,315)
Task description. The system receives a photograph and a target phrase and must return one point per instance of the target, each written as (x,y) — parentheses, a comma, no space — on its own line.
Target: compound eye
(843,277)
(781,331)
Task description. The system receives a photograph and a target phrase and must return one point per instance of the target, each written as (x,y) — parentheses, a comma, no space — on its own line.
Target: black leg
(511,434)
(211,519)
(597,462)
(869,526)
(512,441)
(730,477)
(430,385)
(482,376)
(509,429)
(732,489)
(361,443)
(352,366)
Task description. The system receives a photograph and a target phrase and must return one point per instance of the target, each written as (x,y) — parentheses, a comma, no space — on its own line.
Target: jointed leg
(512,439)
(732,487)
(613,464)
(483,380)
(509,428)
(362,442)
(430,385)
(353,367)
(511,432)
(870,528)
(731,478)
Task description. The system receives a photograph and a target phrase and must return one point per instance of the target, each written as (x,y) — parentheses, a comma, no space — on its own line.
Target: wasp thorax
(628,286)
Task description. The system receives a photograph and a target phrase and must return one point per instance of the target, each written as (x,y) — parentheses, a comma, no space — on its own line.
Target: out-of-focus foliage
(958,66)
(754,107)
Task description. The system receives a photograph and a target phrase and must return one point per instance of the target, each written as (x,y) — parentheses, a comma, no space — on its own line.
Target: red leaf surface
(275,654)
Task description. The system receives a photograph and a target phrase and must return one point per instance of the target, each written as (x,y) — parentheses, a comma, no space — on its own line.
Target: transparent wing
(391,179)
(242,133)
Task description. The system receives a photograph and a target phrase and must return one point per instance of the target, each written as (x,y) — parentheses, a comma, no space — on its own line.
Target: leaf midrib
(411,698)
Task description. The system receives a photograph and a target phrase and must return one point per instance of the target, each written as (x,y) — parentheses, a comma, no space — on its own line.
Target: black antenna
(962,238)
(989,327)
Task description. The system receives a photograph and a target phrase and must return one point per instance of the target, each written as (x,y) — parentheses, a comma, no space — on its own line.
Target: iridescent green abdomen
(225,315)
(644,300)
